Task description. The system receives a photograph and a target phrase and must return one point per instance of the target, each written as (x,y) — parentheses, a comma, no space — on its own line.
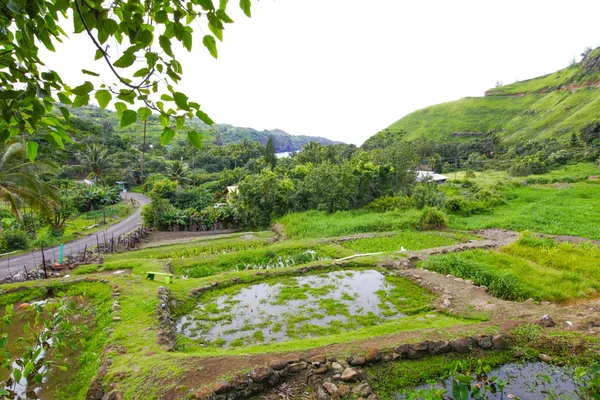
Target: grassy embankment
(528,110)
(530,268)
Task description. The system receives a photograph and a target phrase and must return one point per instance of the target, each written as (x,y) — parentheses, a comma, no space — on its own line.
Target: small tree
(270,156)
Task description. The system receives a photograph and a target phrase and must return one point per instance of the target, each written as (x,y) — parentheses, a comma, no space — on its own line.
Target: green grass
(527,269)
(564,210)
(568,173)
(201,246)
(275,256)
(410,240)
(315,224)
(520,111)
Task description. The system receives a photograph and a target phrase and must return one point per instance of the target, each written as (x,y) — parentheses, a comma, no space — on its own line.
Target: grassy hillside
(550,106)
(226,133)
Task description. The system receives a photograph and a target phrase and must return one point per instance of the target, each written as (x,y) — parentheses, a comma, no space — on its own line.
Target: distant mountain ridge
(552,106)
(218,134)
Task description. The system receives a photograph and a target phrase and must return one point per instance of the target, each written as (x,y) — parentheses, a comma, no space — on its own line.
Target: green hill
(549,106)
(218,133)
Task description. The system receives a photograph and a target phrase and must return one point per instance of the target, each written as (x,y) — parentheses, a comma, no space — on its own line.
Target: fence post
(44,263)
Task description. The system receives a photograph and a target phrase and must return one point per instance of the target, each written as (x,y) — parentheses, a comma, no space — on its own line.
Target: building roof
(430,175)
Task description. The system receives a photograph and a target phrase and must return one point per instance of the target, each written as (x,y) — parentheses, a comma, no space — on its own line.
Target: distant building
(230,191)
(431,176)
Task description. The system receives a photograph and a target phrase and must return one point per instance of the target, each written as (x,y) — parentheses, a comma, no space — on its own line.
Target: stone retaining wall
(332,378)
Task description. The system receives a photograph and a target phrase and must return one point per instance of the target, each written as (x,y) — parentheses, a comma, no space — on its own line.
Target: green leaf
(62,367)
(195,139)
(211,45)
(3,341)
(17,375)
(129,117)
(110,26)
(98,55)
(166,97)
(87,72)
(31,149)
(126,60)
(84,89)
(166,136)
(161,16)
(103,97)
(81,101)
(65,113)
(27,369)
(4,135)
(223,16)
(245,6)
(120,107)
(165,44)
(165,121)
(217,31)
(142,72)
(63,98)
(181,100)
(144,113)
(204,117)
(187,40)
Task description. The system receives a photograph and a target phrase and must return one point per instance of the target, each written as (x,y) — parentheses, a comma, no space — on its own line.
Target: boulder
(484,342)
(318,359)
(545,358)
(337,368)
(330,388)
(441,347)
(203,393)
(297,367)
(547,322)
(343,390)
(221,387)
(260,374)
(362,390)
(402,351)
(349,375)
(358,361)
(278,364)
(499,342)
(373,356)
(461,345)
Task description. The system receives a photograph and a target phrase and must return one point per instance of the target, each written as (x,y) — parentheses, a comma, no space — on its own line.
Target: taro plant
(38,351)
(469,380)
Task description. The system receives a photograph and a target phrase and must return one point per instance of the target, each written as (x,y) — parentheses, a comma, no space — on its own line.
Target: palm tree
(20,183)
(95,158)
(178,172)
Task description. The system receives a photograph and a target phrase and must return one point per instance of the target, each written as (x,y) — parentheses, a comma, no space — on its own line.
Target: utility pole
(143,152)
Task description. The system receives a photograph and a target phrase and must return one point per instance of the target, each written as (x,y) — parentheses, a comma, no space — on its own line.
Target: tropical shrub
(433,218)
(390,203)
(428,195)
(13,240)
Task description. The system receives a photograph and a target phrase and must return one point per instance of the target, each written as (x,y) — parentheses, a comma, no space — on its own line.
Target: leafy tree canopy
(143,63)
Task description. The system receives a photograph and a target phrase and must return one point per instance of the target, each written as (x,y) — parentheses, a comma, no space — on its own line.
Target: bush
(390,203)
(13,240)
(428,194)
(433,218)
(530,165)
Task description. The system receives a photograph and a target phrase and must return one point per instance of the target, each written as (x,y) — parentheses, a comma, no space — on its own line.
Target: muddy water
(267,312)
(534,381)
(18,337)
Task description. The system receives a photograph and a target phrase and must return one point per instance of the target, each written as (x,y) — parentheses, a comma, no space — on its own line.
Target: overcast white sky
(344,69)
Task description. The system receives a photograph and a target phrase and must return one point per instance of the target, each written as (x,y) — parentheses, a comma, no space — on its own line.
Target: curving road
(33,259)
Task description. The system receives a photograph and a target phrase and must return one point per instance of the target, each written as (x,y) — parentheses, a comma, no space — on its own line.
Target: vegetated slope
(219,133)
(550,106)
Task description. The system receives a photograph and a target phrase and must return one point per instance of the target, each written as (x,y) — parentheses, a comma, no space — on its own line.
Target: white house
(431,176)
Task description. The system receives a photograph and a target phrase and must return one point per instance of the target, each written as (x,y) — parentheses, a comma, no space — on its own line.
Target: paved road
(34,259)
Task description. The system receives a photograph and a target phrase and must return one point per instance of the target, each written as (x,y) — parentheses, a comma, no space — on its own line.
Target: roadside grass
(317,224)
(410,240)
(565,210)
(558,273)
(202,247)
